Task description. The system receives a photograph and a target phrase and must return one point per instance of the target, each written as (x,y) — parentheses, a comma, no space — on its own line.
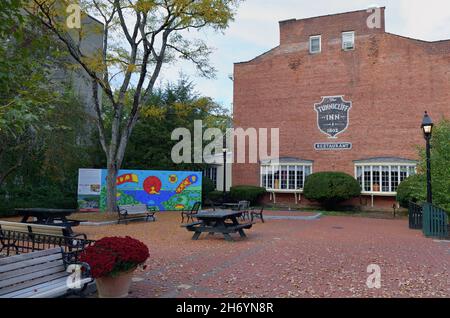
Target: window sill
(380,194)
(284,191)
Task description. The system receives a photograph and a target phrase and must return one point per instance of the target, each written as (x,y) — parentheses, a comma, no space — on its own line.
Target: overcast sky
(255,30)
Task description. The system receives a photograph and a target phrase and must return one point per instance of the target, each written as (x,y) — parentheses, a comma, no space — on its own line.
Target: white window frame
(380,166)
(269,170)
(353,36)
(212,172)
(315,37)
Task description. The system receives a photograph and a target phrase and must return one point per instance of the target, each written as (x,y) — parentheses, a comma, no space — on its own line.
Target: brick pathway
(285,258)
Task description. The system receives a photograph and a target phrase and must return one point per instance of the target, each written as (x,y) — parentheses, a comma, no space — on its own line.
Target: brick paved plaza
(327,257)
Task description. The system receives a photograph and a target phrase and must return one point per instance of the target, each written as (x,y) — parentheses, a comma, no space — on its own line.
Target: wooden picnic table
(56,217)
(231,205)
(225,222)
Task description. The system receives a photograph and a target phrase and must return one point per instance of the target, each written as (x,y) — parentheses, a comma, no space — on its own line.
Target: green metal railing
(435,222)
(415,216)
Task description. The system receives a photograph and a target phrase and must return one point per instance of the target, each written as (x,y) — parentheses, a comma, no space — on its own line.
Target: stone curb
(298,218)
(268,217)
(108,222)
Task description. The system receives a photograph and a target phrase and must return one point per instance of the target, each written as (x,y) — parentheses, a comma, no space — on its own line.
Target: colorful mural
(159,190)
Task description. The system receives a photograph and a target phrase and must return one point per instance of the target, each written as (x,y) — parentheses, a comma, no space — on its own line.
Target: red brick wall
(391,81)
(330,27)
(364,202)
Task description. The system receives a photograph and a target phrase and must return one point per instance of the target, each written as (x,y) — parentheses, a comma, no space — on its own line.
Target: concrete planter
(115,287)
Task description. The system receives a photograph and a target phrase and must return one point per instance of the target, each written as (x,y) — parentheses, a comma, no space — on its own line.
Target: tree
(155,34)
(47,177)
(27,95)
(414,188)
(172,106)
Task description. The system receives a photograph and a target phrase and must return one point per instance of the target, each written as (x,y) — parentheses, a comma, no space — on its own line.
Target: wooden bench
(43,274)
(192,224)
(40,229)
(30,237)
(257,213)
(236,228)
(201,227)
(127,211)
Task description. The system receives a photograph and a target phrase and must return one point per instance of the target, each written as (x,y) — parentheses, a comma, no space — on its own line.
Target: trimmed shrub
(207,187)
(216,196)
(331,188)
(412,189)
(247,193)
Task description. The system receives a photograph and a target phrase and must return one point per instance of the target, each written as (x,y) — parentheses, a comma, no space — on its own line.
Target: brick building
(347,96)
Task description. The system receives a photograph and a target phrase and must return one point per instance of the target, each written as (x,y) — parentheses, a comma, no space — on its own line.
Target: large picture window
(285,177)
(383,178)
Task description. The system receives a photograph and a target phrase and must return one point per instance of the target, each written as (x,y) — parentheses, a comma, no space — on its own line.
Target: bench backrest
(196,207)
(134,209)
(28,270)
(33,228)
(243,205)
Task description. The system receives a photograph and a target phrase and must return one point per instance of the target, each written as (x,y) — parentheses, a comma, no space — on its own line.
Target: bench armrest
(82,235)
(85,268)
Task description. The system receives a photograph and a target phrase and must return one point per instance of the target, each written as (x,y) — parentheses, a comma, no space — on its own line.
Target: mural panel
(159,190)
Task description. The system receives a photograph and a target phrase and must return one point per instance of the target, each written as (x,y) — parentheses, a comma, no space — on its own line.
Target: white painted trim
(380,194)
(353,33)
(386,164)
(272,168)
(314,37)
(284,191)
(381,166)
(286,164)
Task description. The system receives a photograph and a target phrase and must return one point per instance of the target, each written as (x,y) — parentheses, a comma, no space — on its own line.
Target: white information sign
(89,181)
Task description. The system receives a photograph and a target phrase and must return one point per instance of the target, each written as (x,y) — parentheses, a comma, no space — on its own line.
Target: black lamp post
(427,127)
(225,152)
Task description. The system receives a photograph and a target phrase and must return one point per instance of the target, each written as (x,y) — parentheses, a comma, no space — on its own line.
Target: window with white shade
(315,44)
(383,178)
(348,41)
(285,177)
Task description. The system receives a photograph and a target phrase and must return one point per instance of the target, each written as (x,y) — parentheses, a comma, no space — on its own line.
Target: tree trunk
(111,188)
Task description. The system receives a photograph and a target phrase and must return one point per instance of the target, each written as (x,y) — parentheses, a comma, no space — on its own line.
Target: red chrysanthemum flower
(113,255)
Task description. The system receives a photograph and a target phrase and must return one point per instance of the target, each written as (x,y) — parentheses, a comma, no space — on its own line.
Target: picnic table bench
(43,274)
(127,211)
(218,222)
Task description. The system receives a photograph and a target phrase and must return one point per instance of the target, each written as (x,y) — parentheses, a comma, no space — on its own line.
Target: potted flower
(113,261)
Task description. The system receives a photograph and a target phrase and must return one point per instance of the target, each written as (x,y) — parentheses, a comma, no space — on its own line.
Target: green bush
(216,196)
(331,188)
(412,189)
(207,187)
(247,193)
(43,196)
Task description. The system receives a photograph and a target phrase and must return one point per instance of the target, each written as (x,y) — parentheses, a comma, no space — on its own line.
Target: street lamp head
(427,125)
(225,145)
